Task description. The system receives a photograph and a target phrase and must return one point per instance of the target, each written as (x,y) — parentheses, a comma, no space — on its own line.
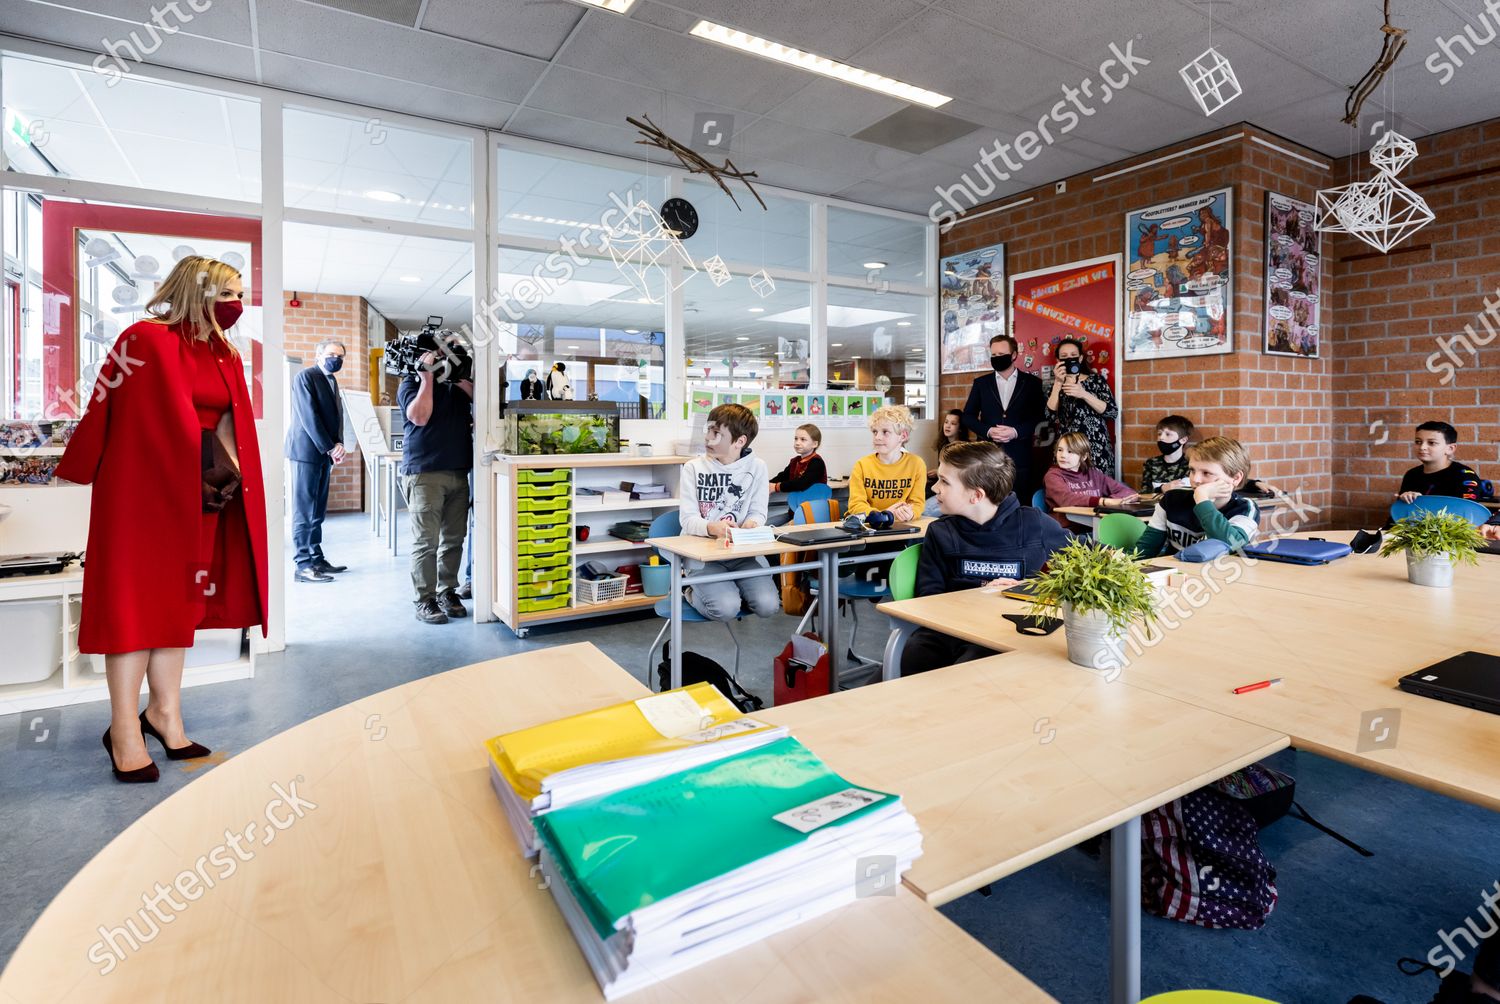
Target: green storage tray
(550,588)
(544,562)
(558,505)
(558,546)
(535,577)
(542,603)
(545,477)
(527,491)
(558,518)
(532,534)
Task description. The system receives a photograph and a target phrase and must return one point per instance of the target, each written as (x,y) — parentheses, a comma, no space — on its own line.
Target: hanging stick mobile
(1395,41)
(693,162)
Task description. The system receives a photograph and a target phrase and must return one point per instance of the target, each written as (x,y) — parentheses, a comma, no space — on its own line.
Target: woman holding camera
(177,518)
(1081,401)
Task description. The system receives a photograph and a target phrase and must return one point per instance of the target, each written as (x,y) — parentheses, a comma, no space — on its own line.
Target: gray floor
(1341,922)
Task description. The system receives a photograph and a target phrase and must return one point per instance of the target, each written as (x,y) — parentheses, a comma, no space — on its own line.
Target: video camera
(403,357)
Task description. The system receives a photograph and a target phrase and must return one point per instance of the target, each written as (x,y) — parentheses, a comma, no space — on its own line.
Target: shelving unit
(588,471)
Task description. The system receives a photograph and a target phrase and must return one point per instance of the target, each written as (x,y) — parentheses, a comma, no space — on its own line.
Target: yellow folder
(619,732)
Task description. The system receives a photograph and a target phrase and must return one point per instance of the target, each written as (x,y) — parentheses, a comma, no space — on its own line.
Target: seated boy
(1210,508)
(1438,473)
(726,487)
(890,478)
(1171,468)
(985,537)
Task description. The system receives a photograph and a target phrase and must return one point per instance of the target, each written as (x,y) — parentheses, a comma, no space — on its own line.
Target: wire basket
(601,590)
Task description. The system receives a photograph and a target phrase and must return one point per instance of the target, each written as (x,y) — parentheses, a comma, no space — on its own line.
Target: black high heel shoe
(141,775)
(191,751)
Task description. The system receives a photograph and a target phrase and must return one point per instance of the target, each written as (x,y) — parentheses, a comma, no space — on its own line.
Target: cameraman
(436,457)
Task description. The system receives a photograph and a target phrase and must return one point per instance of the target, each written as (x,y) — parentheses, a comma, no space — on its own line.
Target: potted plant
(1434,542)
(1100,592)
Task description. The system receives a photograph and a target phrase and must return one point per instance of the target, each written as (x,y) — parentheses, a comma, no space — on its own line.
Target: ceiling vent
(916,130)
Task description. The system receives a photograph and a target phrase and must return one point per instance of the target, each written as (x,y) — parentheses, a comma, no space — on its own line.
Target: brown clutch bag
(220,464)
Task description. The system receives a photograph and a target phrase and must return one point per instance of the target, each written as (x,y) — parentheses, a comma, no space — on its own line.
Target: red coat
(139,446)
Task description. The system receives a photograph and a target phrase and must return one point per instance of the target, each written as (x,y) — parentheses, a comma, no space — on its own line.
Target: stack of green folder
(660,877)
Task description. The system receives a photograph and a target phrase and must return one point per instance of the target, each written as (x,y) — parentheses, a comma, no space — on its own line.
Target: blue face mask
(333,364)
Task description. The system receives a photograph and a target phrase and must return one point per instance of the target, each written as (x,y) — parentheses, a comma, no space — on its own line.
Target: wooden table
(828,557)
(1006,761)
(1340,636)
(401,879)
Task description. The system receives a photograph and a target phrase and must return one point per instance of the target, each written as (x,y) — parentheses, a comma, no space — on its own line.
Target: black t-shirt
(446,442)
(1457,480)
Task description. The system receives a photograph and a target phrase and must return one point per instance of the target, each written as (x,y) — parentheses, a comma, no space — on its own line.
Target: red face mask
(227,312)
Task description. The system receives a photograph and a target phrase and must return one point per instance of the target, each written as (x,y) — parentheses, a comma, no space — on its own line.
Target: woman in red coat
(174,543)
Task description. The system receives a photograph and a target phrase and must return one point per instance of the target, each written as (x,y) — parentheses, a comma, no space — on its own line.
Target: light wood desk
(1006,761)
(827,561)
(1340,646)
(404,881)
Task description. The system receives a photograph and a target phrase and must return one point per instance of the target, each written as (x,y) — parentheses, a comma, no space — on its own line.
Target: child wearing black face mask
(1170,470)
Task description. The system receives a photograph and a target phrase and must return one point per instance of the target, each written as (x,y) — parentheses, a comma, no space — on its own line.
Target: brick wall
(343,318)
(1279,406)
(1394,312)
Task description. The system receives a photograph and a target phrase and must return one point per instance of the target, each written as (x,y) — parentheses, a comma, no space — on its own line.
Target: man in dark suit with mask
(1005,407)
(314,443)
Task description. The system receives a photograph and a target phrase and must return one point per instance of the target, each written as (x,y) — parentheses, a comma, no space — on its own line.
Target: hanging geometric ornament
(1211,81)
(1382,211)
(718,272)
(643,249)
(763,284)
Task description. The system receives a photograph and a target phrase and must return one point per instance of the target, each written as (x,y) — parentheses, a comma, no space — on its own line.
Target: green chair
(1205,997)
(1119,529)
(902,578)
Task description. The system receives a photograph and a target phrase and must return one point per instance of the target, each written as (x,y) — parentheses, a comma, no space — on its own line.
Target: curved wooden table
(362,856)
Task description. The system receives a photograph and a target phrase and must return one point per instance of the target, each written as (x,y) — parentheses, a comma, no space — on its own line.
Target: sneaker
(451,604)
(429,612)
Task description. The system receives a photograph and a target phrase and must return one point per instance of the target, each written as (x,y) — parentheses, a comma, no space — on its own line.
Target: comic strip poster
(971,307)
(1081,300)
(1179,285)
(1293,258)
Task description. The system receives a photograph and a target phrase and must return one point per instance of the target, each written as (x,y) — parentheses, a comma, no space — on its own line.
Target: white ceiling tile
(534,29)
(832,106)
(792,145)
(308,77)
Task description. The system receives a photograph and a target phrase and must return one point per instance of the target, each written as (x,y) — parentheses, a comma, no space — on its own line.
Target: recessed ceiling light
(757,310)
(872,264)
(903,324)
(613,6)
(381,195)
(837,345)
(572,348)
(632,331)
(854,357)
(813,63)
(411,278)
(742,338)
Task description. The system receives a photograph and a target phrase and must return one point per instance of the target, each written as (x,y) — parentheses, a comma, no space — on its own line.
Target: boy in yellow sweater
(890,479)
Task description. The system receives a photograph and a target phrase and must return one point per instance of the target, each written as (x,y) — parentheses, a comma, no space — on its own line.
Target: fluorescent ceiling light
(632,331)
(813,63)
(757,310)
(411,278)
(742,338)
(572,348)
(613,6)
(381,195)
(841,317)
(873,264)
(528,217)
(903,324)
(837,345)
(854,357)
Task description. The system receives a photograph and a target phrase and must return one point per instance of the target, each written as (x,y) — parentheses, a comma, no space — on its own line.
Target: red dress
(158,567)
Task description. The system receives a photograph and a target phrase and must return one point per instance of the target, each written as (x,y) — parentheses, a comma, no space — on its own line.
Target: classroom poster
(816,405)
(1179,286)
(700,400)
(835,406)
(971,307)
(752,402)
(1293,257)
(1080,299)
(873,403)
(773,409)
(796,406)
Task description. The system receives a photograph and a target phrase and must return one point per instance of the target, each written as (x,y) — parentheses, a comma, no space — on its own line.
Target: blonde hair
(897,415)
(186,297)
(1226,452)
(1077,442)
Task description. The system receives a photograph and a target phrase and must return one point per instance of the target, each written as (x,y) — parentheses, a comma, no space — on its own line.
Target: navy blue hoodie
(959,553)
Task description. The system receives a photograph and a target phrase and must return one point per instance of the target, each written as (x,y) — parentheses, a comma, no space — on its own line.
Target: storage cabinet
(537,522)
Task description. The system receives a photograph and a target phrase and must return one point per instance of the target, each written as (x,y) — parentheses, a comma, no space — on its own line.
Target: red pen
(1256,686)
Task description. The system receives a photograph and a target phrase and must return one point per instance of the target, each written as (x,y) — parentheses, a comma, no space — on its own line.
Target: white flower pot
(1092,642)
(1430,570)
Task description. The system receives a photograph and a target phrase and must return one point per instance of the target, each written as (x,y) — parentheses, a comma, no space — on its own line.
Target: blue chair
(794,500)
(669,524)
(1039,500)
(1467,508)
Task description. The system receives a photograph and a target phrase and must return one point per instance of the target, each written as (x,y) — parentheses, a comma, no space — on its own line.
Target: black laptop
(1490,547)
(1469,678)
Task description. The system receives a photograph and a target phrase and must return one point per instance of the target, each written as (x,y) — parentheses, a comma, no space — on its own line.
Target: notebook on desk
(1471,679)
